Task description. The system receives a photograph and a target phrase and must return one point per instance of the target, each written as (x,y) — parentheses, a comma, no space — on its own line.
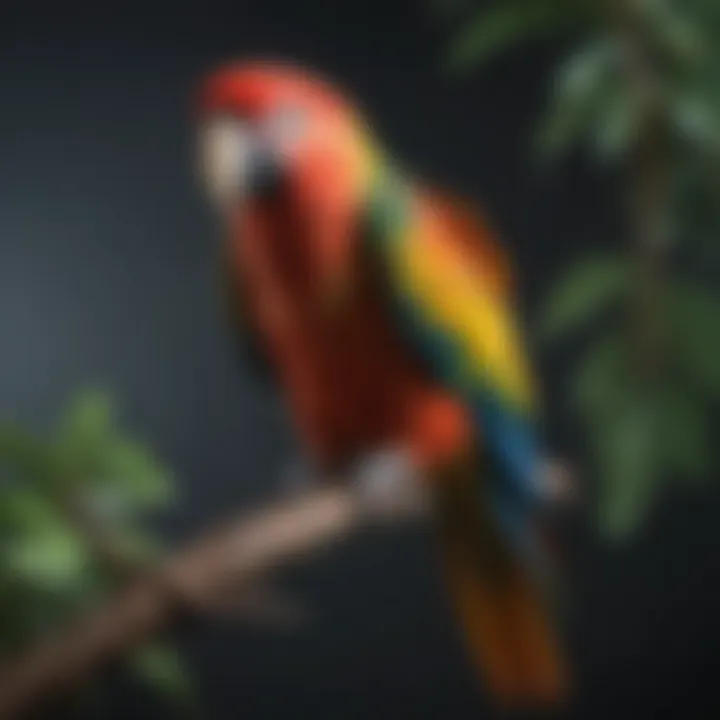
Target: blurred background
(108,281)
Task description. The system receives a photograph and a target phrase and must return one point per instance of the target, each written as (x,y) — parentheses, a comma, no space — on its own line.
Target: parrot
(384,310)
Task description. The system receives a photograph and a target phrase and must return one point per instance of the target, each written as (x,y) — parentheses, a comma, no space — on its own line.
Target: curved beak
(235,163)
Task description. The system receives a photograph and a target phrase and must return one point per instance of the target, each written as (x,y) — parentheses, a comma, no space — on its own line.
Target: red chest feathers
(349,379)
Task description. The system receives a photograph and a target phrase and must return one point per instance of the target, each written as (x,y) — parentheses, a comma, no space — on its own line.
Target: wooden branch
(198,580)
(187,584)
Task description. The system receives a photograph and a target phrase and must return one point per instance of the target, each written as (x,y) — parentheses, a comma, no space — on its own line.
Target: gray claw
(389,485)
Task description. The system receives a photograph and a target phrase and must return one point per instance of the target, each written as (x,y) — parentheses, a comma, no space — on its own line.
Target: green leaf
(696,119)
(83,434)
(678,34)
(137,476)
(49,569)
(38,544)
(685,434)
(589,288)
(601,376)
(161,667)
(579,88)
(115,474)
(89,417)
(627,456)
(26,456)
(694,320)
(593,100)
(25,510)
(561,129)
(618,122)
(53,559)
(507,25)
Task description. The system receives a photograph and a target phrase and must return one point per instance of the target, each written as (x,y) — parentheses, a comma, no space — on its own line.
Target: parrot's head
(262,124)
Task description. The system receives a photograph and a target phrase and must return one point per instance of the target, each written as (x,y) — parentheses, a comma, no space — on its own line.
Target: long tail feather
(505,621)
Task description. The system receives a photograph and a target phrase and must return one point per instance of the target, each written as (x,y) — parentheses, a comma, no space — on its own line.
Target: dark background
(107,275)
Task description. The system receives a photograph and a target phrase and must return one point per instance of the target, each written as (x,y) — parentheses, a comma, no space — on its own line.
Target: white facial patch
(225,150)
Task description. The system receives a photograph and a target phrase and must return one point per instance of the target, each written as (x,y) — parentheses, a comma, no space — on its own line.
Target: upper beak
(235,163)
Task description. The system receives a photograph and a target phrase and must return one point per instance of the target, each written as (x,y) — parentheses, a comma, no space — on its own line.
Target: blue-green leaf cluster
(590,288)
(638,89)
(59,490)
(508,24)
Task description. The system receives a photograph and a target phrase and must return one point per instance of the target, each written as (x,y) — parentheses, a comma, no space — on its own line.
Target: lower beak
(263,172)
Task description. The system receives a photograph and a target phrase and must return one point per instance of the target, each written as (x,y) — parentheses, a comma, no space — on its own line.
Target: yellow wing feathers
(459,292)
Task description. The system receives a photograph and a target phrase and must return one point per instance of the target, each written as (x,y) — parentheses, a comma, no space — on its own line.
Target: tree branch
(199,579)
(187,584)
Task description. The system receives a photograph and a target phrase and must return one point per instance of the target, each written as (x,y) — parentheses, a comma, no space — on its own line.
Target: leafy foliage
(684,442)
(694,325)
(510,23)
(593,285)
(581,87)
(644,75)
(601,375)
(57,492)
(160,665)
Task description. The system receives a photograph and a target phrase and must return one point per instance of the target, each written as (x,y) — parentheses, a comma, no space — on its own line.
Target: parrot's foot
(559,483)
(390,486)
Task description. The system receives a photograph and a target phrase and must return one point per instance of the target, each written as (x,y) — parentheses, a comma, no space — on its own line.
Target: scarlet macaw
(385,312)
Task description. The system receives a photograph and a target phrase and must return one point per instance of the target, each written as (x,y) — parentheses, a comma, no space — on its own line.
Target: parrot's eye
(224,156)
